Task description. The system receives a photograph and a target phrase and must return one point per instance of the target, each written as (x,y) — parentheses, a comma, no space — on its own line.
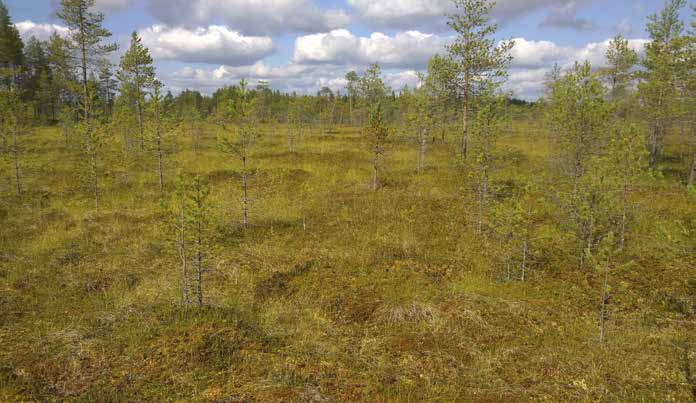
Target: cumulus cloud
(28,28)
(289,77)
(214,44)
(533,59)
(250,17)
(430,13)
(410,49)
(327,68)
(533,54)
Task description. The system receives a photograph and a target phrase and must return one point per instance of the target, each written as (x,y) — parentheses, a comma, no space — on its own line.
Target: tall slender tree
(11,49)
(477,58)
(137,76)
(659,79)
(86,39)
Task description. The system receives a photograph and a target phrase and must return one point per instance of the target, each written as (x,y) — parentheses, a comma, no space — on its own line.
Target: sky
(303,45)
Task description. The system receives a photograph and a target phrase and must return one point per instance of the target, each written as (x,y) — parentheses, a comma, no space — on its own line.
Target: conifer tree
(420,120)
(371,86)
(487,129)
(11,50)
(578,115)
(162,125)
(137,76)
(14,122)
(352,82)
(237,119)
(621,60)
(86,39)
(477,59)
(377,134)
(659,79)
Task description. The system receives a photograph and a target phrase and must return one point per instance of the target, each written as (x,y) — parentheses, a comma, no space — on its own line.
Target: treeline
(607,125)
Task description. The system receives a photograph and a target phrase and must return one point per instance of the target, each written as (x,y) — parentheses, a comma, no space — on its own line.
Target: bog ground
(334,292)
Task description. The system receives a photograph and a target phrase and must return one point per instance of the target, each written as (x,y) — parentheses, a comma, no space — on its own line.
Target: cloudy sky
(302,45)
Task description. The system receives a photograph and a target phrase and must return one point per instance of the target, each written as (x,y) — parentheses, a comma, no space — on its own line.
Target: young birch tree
(477,59)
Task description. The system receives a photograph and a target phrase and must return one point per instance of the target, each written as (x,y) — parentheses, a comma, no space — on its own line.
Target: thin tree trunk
(375,172)
(182,254)
(15,155)
(604,302)
(245,196)
(654,144)
(139,119)
(95,176)
(465,123)
(624,214)
(421,152)
(692,174)
(199,264)
(159,150)
(525,251)
(483,195)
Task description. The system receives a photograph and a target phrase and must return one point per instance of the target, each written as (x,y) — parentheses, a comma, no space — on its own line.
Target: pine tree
(477,59)
(621,60)
(377,134)
(487,129)
(11,50)
(107,87)
(14,124)
(137,76)
(86,39)
(578,115)
(162,125)
(238,121)
(371,86)
(420,119)
(352,82)
(658,86)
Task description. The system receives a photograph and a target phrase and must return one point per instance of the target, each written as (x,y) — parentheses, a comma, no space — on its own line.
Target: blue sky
(302,45)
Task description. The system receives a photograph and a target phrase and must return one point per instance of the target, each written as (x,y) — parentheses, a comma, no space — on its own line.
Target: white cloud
(215,44)
(534,54)
(324,68)
(28,28)
(431,13)
(410,49)
(399,80)
(250,17)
